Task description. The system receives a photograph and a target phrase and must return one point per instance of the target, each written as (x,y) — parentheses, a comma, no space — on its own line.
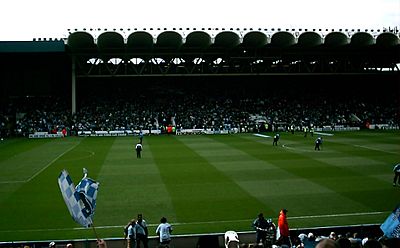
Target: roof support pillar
(73,86)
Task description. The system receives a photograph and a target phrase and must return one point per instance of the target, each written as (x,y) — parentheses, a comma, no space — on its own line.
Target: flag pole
(94,230)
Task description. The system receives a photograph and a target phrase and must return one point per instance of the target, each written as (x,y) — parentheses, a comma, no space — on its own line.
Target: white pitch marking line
(51,162)
(375,149)
(210,222)
(261,135)
(326,134)
(41,170)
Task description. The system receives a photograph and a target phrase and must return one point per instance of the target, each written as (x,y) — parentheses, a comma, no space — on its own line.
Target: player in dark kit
(276,139)
(138,149)
(318,143)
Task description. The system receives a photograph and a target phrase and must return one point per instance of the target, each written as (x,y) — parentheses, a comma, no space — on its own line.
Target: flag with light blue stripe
(80,200)
(391,226)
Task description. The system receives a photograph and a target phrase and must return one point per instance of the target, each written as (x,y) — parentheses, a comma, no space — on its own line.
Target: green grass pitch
(201,183)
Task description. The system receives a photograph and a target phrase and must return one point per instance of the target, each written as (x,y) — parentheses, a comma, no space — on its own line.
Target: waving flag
(80,200)
(391,226)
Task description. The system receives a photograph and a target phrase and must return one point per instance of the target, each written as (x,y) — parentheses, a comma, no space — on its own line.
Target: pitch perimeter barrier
(114,133)
(211,240)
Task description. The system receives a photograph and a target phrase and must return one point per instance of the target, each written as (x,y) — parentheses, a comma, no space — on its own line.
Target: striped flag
(80,200)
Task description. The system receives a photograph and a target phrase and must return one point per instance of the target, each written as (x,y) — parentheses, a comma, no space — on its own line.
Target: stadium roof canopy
(221,52)
(173,40)
(232,52)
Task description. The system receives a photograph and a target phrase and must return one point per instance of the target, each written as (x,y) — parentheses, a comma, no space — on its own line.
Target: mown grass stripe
(130,186)
(197,188)
(316,171)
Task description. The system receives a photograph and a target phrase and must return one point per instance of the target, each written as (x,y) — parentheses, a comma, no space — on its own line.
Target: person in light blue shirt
(131,237)
(164,231)
(396,170)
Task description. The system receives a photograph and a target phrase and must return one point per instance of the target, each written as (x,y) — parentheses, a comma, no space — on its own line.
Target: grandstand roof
(221,52)
(234,51)
(173,40)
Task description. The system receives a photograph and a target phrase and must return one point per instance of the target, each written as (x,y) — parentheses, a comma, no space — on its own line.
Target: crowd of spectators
(195,109)
(335,240)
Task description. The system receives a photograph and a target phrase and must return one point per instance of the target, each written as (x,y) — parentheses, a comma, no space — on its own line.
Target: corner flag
(80,200)
(391,226)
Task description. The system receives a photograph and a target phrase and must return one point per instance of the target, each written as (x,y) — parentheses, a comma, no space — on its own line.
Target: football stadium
(228,121)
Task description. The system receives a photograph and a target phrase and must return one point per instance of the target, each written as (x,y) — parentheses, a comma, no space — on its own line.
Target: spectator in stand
(372,243)
(333,236)
(64,132)
(343,242)
(354,239)
(101,243)
(327,243)
(308,241)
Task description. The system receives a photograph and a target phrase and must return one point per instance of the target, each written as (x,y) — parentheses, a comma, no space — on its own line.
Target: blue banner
(391,226)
